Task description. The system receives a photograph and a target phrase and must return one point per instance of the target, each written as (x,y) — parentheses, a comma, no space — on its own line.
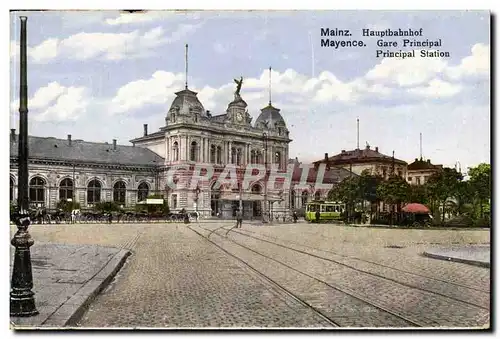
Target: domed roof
(185,102)
(270,116)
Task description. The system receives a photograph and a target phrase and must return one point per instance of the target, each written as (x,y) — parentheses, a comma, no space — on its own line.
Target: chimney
(343,151)
(145,129)
(69,139)
(13,134)
(376,149)
(326,156)
(428,161)
(367,146)
(114,144)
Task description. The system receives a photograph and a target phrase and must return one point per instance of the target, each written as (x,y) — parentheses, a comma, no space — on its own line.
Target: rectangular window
(174,201)
(418,180)
(409,179)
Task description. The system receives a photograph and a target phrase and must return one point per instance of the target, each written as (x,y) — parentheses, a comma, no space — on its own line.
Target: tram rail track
(268,279)
(374,274)
(406,320)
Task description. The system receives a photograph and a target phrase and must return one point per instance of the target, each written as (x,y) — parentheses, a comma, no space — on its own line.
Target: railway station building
(89,172)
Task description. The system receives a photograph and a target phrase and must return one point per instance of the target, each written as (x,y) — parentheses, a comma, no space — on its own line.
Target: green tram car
(329,211)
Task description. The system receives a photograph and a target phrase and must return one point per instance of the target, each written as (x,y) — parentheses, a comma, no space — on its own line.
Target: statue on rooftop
(238,87)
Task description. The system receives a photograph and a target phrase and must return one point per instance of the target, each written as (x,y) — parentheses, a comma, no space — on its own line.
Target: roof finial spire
(269,85)
(357,120)
(420,145)
(186,66)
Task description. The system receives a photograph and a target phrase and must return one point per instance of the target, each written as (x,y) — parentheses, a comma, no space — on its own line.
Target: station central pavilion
(89,172)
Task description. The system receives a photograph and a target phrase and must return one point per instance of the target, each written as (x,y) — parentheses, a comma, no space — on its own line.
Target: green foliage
(442,186)
(480,182)
(395,190)
(67,206)
(107,206)
(418,194)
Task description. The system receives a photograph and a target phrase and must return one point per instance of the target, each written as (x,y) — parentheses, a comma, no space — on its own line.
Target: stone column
(167,149)
(230,152)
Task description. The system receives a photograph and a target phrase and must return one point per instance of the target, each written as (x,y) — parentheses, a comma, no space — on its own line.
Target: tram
(329,211)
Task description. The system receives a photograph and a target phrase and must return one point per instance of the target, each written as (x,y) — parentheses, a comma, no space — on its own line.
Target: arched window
(66,189)
(142,191)
(11,189)
(292,198)
(258,157)
(277,159)
(317,195)
(194,150)
(94,192)
(119,190)
(219,155)
(37,191)
(233,155)
(238,156)
(304,198)
(175,151)
(257,205)
(212,154)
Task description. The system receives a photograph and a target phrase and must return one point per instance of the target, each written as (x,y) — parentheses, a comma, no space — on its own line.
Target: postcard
(250,169)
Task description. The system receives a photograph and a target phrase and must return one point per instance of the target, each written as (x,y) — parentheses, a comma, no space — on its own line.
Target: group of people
(239,218)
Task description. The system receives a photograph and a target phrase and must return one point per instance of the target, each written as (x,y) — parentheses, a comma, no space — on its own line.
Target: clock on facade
(239,116)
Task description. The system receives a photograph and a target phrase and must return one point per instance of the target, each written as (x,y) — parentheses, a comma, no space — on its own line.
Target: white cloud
(159,89)
(406,72)
(138,17)
(106,46)
(437,89)
(57,103)
(149,16)
(477,64)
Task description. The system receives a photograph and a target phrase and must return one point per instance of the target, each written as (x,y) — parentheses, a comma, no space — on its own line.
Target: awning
(249,197)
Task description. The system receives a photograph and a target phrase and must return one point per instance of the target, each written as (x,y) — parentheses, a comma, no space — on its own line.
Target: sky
(101,75)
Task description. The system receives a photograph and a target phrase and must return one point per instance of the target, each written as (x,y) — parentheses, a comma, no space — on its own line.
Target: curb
(69,313)
(459,260)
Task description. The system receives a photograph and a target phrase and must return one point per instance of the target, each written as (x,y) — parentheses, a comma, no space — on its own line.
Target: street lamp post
(22,298)
(264,212)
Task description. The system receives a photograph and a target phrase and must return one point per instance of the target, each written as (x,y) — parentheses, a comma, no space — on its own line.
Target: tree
(368,184)
(480,183)
(348,192)
(67,206)
(107,207)
(442,186)
(418,194)
(394,191)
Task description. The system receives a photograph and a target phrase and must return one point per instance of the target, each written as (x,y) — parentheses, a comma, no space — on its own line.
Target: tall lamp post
(22,298)
(264,212)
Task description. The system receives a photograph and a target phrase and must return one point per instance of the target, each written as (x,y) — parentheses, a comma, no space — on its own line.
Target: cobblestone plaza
(288,275)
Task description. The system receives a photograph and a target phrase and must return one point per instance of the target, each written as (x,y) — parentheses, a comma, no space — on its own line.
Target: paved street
(282,276)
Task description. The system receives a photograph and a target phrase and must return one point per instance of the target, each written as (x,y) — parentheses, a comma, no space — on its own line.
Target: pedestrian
(317,216)
(239,220)
(295,217)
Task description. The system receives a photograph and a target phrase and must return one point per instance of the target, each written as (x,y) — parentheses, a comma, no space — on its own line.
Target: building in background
(85,172)
(420,170)
(359,160)
(299,196)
